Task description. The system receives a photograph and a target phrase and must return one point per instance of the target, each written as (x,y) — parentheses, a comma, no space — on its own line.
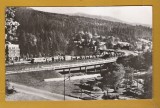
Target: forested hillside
(47,34)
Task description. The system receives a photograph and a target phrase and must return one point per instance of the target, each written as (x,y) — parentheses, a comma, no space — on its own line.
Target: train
(103,55)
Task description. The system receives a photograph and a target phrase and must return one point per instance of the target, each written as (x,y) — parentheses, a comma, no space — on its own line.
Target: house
(12,52)
(123,45)
(145,41)
(102,46)
(144,45)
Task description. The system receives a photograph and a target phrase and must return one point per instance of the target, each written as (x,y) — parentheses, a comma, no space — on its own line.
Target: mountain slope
(47,34)
(108,18)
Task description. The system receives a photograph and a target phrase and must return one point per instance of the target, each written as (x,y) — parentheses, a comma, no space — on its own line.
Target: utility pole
(64,86)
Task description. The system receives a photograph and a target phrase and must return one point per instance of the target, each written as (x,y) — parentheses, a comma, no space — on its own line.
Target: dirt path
(41,93)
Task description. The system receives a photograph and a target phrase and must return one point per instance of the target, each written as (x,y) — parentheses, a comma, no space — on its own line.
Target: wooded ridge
(46,34)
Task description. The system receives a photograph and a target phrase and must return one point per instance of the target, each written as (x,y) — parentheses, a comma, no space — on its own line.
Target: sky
(131,14)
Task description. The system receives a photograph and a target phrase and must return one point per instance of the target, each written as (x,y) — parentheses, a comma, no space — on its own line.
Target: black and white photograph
(78,53)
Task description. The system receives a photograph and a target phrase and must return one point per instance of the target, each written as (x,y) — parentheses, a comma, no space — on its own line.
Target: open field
(36,80)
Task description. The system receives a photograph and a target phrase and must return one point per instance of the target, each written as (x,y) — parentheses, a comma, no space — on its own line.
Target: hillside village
(92,43)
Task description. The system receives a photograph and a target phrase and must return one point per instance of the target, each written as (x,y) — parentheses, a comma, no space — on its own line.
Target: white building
(124,43)
(102,46)
(12,52)
(145,45)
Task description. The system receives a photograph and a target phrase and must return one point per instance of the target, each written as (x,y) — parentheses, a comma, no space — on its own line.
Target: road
(73,78)
(41,93)
(69,65)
